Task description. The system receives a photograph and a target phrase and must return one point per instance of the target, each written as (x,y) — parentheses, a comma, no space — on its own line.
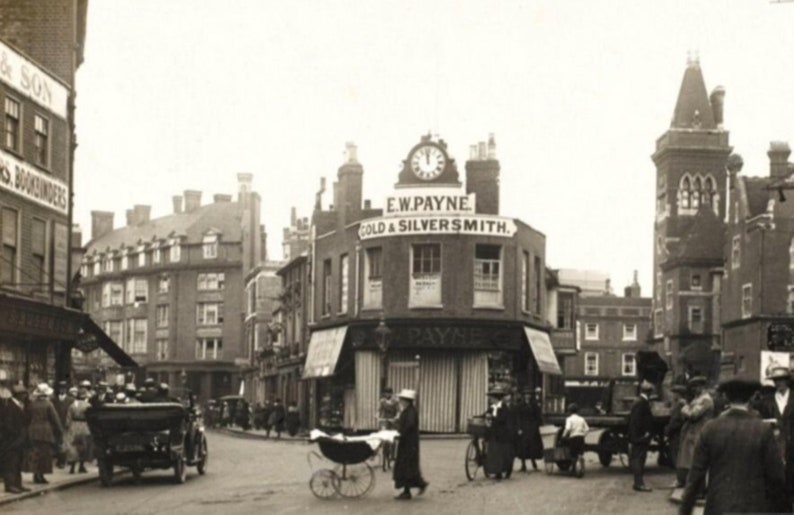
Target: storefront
(450,363)
(36,341)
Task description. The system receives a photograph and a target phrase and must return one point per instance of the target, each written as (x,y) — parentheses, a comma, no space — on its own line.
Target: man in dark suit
(737,451)
(640,425)
(13,428)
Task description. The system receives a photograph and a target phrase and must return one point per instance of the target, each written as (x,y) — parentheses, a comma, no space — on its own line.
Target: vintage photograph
(349,256)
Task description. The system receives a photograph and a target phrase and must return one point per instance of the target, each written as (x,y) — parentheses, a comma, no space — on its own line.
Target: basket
(557,454)
(477,427)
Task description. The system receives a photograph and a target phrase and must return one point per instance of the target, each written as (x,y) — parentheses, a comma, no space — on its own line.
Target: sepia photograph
(442,256)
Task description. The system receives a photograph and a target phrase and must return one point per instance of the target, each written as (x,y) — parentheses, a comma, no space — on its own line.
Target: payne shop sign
(434,211)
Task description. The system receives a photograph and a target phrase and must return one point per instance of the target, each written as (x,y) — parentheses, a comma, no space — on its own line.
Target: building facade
(436,292)
(41,46)
(170,290)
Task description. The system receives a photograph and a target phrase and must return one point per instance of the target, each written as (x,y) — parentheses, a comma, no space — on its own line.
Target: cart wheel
(136,474)
(578,467)
(355,480)
(324,484)
(564,465)
(472,461)
(105,472)
(180,471)
(605,458)
(548,466)
(201,466)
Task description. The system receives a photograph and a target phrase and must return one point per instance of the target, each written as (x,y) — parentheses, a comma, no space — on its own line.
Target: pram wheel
(324,483)
(355,480)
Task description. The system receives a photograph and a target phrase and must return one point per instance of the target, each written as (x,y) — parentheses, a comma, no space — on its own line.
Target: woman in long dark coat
(500,452)
(530,443)
(406,467)
(44,430)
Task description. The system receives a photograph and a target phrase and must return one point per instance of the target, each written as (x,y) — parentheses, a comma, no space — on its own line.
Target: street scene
(443,256)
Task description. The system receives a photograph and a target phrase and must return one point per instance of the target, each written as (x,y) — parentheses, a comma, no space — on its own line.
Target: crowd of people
(269,416)
(40,430)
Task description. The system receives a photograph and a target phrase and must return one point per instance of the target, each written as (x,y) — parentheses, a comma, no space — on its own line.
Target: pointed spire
(693,108)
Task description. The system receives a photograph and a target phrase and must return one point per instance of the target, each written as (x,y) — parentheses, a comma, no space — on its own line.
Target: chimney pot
(130,217)
(367,204)
(220,197)
(481,150)
(177,200)
(778,153)
(472,152)
(352,152)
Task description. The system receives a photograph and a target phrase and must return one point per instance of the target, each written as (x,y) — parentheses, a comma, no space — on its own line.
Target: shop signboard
(770,360)
(324,349)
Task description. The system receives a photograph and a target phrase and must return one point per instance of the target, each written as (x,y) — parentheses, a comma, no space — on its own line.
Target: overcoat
(530,443)
(699,411)
(673,430)
(737,451)
(406,467)
(640,421)
(62,406)
(500,452)
(44,424)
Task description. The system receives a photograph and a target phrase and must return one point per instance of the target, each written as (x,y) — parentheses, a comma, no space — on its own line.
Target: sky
(185,94)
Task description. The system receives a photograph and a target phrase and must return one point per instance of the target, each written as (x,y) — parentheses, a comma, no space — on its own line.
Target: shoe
(498,477)
(24,488)
(71,469)
(82,469)
(423,488)
(642,488)
(403,496)
(14,490)
(43,480)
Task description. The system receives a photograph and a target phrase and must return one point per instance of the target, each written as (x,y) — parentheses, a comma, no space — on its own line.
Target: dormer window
(210,246)
(174,254)
(125,259)
(141,256)
(157,253)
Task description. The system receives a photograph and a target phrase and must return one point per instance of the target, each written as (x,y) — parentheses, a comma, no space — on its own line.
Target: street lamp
(383,334)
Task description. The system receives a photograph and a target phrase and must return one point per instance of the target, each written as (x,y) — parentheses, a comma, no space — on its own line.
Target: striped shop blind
(367,389)
(438,393)
(474,386)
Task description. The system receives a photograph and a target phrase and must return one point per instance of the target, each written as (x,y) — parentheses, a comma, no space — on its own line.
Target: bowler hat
(697,381)
(779,373)
(405,393)
(497,391)
(739,390)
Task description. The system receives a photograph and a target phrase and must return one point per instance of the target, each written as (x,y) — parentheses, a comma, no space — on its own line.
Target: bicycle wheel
(324,484)
(472,461)
(355,480)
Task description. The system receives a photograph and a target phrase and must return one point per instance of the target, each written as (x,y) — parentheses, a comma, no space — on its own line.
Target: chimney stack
(482,177)
(177,199)
(349,187)
(130,217)
(244,181)
(367,204)
(141,213)
(778,159)
(293,217)
(77,236)
(192,200)
(220,197)
(633,291)
(101,223)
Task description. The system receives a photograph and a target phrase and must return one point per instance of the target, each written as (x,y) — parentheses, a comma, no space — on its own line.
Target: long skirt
(499,457)
(79,444)
(39,458)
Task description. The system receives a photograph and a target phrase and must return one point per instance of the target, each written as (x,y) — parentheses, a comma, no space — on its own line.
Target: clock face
(427,162)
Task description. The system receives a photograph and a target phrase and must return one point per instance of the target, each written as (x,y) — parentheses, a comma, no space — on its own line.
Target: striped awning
(324,349)
(543,351)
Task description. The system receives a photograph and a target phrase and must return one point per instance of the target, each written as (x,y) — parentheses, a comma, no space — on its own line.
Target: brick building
(436,291)
(41,46)
(171,290)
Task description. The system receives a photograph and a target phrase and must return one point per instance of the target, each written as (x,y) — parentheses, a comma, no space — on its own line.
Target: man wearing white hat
(407,474)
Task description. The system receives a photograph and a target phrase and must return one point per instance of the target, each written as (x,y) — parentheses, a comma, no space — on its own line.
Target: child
(575,429)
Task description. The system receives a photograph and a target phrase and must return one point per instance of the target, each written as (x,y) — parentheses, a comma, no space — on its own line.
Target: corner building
(436,292)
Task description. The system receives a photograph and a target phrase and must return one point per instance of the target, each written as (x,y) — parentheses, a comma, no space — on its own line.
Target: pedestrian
(673,428)
(640,427)
(77,436)
(501,435)
(696,413)
(61,402)
(530,443)
(738,452)
(293,419)
(780,407)
(44,431)
(267,411)
(277,418)
(149,390)
(574,432)
(407,473)
(14,419)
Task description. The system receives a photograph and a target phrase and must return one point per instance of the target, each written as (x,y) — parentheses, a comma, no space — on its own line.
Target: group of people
(272,416)
(41,429)
(514,433)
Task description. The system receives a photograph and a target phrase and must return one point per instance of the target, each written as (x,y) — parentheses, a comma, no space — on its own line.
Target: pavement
(59,479)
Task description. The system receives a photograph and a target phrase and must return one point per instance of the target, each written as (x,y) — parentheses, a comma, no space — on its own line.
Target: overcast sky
(184,94)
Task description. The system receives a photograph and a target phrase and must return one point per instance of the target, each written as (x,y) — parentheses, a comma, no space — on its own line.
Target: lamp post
(383,334)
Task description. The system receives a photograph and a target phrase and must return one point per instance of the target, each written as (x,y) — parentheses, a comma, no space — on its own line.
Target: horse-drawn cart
(147,436)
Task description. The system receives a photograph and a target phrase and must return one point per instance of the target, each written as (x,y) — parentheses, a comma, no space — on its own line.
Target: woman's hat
(779,373)
(697,381)
(739,390)
(405,393)
(43,390)
(86,384)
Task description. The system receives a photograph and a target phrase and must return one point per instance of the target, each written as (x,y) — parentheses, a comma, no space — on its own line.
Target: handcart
(351,476)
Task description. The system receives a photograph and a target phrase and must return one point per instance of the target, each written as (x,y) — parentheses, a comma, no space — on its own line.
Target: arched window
(696,191)
(685,193)
(708,190)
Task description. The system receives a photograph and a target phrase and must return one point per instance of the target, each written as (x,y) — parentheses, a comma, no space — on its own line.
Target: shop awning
(543,351)
(91,331)
(324,349)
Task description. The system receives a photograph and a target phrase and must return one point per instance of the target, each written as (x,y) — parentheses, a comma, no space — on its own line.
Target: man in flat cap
(640,434)
(13,428)
(737,451)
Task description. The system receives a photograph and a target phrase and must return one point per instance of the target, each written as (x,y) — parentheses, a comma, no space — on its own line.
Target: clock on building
(428,161)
